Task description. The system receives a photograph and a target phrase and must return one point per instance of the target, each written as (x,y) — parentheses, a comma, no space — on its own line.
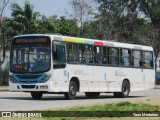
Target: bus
(53,63)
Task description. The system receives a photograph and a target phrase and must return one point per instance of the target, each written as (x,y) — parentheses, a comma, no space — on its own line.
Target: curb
(2,90)
(157,87)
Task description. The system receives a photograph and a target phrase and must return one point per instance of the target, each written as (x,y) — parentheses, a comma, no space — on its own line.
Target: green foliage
(152,10)
(68,27)
(124,21)
(115,20)
(46,25)
(116,7)
(121,106)
(88,30)
(120,109)
(23,17)
(26,21)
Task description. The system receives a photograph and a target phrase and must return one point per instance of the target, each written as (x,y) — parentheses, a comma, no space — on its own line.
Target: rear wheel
(125,90)
(36,95)
(92,94)
(71,95)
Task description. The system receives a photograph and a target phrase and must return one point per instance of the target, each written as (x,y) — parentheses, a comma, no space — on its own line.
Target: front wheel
(125,90)
(71,95)
(36,95)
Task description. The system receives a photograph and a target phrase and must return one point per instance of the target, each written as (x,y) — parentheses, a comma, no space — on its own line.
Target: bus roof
(91,41)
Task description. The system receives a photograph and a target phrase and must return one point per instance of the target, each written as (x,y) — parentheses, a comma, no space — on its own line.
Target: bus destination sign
(31,40)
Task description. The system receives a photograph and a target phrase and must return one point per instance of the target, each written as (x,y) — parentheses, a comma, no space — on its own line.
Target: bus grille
(28,86)
(28,81)
(28,76)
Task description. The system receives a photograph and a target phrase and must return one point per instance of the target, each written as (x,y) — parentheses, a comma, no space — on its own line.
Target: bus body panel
(109,80)
(84,74)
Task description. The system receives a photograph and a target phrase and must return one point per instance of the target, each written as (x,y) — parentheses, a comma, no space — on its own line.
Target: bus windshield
(30,58)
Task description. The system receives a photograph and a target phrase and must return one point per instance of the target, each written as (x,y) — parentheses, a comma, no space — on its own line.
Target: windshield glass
(30,58)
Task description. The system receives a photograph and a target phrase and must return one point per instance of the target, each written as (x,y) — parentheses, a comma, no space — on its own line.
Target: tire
(125,90)
(36,95)
(71,95)
(92,94)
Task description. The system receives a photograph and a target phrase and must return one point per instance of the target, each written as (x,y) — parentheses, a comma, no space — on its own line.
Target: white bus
(44,63)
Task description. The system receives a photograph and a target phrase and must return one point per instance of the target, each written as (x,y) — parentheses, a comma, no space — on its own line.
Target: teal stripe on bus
(91,42)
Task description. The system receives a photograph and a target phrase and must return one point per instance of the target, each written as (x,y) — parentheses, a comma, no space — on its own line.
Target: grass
(115,110)
(103,111)
(121,106)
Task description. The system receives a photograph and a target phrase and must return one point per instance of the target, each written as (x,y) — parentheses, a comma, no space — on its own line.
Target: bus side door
(60,82)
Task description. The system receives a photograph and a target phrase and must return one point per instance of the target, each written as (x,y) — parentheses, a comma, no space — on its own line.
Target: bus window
(137,58)
(147,59)
(72,53)
(125,57)
(98,55)
(113,56)
(85,54)
(59,54)
(104,55)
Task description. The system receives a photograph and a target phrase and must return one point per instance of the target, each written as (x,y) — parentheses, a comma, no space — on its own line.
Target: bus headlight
(46,78)
(12,79)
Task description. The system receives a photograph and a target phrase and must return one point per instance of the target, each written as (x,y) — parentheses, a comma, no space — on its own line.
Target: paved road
(14,101)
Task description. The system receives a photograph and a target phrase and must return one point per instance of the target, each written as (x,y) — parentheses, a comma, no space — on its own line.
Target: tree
(81,9)
(112,17)
(46,25)
(23,18)
(121,20)
(68,27)
(3,36)
(152,10)
(3,4)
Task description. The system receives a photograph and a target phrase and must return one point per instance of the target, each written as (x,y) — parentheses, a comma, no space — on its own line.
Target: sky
(46,7)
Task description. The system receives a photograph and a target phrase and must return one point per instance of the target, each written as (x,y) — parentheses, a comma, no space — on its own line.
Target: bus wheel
(36,95)
(72,91)
(92,94)
(125,90)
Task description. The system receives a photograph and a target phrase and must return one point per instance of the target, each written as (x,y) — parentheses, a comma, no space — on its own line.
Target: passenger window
(113,56)
(147,59)
(58,54)
(104,55)
(72,53)
(125,57)
(99,55)
(85,54)
(137,58)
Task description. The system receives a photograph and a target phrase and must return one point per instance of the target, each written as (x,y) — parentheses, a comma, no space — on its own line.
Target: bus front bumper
(46,87)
